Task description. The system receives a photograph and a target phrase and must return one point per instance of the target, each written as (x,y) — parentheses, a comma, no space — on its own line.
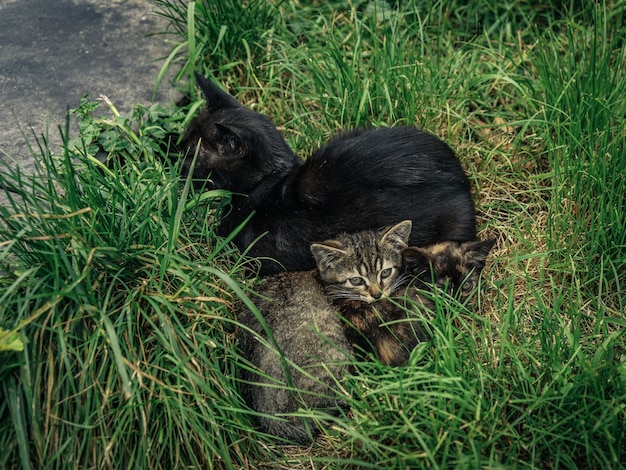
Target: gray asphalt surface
(52,52)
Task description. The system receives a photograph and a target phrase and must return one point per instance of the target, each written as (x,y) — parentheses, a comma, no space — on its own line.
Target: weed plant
(118,302)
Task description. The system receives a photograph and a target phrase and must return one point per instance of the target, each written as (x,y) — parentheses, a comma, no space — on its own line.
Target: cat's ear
(230,143)
(416,260)
(216,98)
(477,251)
(328,253)
(398,235)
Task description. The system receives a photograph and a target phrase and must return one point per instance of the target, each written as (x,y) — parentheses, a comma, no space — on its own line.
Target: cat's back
(296,311)
(418,156)
(374,177)
(301,363)
(289,290)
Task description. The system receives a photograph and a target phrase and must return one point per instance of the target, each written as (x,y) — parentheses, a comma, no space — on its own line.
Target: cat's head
(453,266)
(236,147)
(363,266)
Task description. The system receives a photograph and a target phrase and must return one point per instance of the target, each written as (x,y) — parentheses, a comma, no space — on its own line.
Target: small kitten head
(453,267)
(236,147)
(364,266)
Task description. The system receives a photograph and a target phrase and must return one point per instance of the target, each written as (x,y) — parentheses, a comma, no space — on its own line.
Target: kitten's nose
(375,291)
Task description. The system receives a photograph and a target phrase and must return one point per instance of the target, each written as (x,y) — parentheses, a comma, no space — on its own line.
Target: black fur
(365,179)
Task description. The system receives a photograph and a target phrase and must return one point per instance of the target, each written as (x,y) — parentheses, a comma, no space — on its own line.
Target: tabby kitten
(359,273)
(377,283)
(301,362)
(361,180)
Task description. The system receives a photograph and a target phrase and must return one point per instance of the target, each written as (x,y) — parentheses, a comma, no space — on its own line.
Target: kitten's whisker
(398,283)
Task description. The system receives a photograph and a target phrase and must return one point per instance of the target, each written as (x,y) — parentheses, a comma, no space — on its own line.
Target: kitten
(360,273)
(315,353)
(451,267)
(364,179)
(376,282)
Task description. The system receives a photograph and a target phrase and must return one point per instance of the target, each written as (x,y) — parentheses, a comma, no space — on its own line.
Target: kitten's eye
(356,281)
(385,273)
(468,286)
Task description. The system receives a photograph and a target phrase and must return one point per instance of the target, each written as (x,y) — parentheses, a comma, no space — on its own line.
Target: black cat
(364,179)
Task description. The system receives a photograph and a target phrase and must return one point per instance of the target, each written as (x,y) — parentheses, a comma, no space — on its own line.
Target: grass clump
(125,312)
(124,300)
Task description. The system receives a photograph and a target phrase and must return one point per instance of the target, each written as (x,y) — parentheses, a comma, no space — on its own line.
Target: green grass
(118,301)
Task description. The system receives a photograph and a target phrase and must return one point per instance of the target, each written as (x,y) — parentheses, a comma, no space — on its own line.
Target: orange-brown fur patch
(364,320)
(388,350)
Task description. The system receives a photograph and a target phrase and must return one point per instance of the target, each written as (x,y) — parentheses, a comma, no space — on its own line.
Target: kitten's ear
(216,98)
(416,260)
(478,250)
(230,143)
(328,253)
(398,235)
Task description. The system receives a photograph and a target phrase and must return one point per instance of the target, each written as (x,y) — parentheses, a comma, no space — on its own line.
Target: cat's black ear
(216,98)
(398,235)
(328,253)
(230,143)
(478,250)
